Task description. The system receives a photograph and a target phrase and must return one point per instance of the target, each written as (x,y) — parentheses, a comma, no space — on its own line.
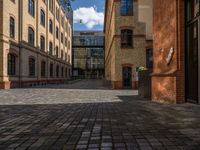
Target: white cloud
(89,16)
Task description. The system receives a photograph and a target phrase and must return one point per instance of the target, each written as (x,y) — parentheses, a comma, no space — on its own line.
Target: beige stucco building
(125,43)
(35,43)
(146,16)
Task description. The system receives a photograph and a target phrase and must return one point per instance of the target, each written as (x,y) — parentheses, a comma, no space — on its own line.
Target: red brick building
(176,77)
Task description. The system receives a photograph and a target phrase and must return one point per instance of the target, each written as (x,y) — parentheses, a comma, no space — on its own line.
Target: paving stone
(88,115)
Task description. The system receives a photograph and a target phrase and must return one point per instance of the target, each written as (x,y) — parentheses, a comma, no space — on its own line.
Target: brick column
(168,78)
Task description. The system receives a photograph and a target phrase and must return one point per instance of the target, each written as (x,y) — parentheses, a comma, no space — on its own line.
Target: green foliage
(140,69)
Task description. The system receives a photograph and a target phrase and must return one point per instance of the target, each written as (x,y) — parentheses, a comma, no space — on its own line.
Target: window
(62,21)
(193,7)
(57,71)
(66,56)
(50,48)
(149,58)
(31,67)
(69,72)
(11,64)
(57,32)
(66,72)
(51,70)
(42,17)
(57,13)
(62,55)
(62,72)
(51,5)
(31,36)
(57,51)
(12,27)
(126,38)
(50,26)
(126,7)
(62,37)
(66,42)
(31,7)
(43,69)
(42,43)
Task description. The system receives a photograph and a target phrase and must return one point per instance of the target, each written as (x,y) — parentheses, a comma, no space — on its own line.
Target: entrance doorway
(192,51)
(127,77)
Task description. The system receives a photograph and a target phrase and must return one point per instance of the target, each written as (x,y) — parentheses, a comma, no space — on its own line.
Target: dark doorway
(127,77)
(192,50)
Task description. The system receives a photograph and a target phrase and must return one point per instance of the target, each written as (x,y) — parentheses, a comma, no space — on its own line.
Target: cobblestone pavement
(57,117)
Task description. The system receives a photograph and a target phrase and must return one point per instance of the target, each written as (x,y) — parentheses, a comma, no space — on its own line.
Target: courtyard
(88,115)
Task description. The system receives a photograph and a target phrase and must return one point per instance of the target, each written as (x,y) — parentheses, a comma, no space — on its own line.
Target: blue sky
(88,14)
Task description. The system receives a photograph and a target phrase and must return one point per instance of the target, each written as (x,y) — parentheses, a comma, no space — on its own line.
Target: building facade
(146,16)
(125,43)
(68,9)
(176,74)
(35,43)
(88,54)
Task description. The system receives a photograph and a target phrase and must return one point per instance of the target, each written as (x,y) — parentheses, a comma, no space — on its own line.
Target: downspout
(20,38)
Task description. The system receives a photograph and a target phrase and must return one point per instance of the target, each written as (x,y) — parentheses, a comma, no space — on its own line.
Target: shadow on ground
(78,117)
(129,124)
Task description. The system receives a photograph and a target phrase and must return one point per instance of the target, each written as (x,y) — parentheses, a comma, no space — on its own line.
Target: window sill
(32,15)
(42,25)
(128,47)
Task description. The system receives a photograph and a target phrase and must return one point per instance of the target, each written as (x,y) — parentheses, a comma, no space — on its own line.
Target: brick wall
(168,79)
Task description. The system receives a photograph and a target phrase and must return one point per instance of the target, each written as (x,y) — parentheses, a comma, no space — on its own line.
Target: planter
(144,84)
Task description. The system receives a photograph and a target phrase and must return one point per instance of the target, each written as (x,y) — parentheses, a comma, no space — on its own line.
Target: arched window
(51,70)
(50,48)
(11,64)
(42,17)
(62,54)
(50,26)
(42,43)
(43,69)
(57,71)
(126,7)
(31,36)
(126,38)
(12,27)
(62,37)
(31,7)
(57,32)
(31,67)
(57,51)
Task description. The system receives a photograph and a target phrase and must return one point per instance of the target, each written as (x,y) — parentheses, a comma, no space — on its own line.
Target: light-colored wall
(146,16)
(12,9)
(115,56)
(1,42)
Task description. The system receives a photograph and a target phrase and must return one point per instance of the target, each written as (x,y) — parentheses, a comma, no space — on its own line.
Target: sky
(88,14)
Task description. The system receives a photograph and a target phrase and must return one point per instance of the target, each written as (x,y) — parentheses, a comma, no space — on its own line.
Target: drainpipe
(20,38)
